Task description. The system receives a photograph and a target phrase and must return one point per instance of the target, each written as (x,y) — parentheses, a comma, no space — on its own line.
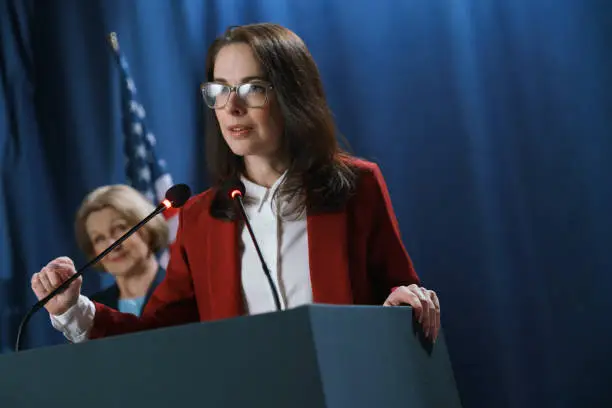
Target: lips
(115,258)
(239,130)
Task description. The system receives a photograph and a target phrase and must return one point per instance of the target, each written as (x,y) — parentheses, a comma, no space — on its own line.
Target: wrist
(65,309)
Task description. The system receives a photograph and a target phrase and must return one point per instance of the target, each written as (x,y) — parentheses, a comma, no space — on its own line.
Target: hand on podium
(50,277)
(425,304)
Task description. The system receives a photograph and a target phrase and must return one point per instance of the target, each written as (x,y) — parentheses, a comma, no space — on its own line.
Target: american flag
(145,170)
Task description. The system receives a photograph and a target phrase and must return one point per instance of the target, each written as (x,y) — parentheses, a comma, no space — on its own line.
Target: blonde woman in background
(107,213)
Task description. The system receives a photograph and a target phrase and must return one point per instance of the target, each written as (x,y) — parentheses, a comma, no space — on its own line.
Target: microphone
(176,197)
(236,192)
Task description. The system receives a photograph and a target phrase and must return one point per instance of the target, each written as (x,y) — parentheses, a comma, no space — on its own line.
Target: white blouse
(284,247)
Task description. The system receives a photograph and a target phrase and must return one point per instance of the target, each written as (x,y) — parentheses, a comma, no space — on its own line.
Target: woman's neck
(263,171)
(136,284)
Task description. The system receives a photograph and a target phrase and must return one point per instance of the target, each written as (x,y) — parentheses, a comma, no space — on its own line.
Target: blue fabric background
(490,120)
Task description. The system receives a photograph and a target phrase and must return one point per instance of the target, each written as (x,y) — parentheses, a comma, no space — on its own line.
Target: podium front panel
(256,361)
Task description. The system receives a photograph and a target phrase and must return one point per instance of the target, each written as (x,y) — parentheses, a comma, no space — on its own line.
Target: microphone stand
(237,195)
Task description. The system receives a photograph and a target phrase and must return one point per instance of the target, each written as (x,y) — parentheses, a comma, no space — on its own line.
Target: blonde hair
(132,206)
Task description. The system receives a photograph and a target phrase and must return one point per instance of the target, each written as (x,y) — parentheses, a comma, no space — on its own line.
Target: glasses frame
(234,88)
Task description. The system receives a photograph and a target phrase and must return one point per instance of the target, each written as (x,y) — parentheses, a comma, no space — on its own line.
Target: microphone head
(233,188)
(178,195)
(237,190)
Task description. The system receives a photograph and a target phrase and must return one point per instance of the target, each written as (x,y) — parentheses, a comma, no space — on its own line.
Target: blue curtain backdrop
(491,121)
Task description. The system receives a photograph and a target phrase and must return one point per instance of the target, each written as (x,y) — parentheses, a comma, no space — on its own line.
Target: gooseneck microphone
(176,197)
(236,192)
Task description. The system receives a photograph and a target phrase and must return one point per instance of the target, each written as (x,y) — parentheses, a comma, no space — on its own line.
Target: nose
(102,244)
(110,240)
(235,105)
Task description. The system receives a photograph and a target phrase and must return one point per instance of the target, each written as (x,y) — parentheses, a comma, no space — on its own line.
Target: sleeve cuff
(77,321)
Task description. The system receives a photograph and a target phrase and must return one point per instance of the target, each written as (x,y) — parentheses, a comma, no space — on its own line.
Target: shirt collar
(257,191)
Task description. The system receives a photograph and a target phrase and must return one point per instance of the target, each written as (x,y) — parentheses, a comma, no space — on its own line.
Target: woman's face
(248,131)
(103,228)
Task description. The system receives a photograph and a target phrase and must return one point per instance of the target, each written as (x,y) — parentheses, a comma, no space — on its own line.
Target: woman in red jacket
(322,218)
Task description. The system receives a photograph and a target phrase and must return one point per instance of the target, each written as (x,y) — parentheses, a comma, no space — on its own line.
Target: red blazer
(356,257)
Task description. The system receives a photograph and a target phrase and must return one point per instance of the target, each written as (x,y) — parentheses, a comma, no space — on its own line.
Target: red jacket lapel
(328,256)
(224,269)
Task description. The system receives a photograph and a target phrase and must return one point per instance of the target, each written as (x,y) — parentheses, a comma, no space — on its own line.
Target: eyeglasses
(254,94)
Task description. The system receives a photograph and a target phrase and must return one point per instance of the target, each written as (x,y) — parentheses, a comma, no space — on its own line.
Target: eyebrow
(113,221)
(243,80)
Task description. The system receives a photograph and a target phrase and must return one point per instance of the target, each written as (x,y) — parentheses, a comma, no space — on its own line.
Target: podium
(311,356)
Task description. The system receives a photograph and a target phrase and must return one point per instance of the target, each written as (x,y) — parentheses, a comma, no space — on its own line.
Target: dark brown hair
(319,177)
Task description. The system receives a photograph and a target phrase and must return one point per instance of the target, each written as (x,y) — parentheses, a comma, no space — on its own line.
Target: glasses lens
(215,95)
(254,95)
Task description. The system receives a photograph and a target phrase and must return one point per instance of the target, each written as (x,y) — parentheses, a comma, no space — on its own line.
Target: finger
(397,298)
(63,273)
(60,272)
(54,278)
(64,260)
(74,282)
(431,321)
(61,264)
(407,296)
(44,281)
(422,306)
(427,310)
(391,300)
(37,286)
(434,298)
(62,268)
(429,313)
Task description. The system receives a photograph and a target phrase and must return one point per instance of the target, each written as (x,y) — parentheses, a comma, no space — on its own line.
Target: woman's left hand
(425,304)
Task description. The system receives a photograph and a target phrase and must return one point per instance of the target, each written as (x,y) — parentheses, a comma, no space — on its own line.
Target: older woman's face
(103,228)
(249,131)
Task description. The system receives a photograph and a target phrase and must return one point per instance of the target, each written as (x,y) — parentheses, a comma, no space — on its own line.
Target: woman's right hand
(50,277)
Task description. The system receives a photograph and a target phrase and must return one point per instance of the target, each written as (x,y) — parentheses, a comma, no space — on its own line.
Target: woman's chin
(240,150)
(240,147)
(118,269)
